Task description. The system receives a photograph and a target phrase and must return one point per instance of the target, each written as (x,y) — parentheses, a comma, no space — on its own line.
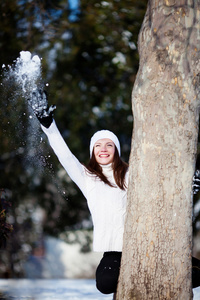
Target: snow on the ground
(196,293)
(47,289)
(55,289)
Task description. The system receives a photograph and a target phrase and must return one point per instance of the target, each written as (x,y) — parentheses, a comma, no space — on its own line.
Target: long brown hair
(119,169)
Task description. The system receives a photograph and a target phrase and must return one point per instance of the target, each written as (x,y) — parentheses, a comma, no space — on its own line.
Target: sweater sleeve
(71,164)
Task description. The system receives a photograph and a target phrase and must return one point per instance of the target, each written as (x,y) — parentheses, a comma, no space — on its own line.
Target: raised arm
(44,113)
(74,168)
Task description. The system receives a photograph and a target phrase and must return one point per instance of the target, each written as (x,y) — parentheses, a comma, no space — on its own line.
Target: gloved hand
(39,104)
(196,182)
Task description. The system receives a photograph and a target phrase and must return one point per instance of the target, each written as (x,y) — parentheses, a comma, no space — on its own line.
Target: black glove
(196,182)
(39,104)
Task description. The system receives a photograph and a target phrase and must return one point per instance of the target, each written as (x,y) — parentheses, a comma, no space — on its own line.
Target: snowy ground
(56,289)
(47,289)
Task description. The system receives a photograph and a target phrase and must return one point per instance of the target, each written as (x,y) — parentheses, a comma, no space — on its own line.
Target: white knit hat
(104,134)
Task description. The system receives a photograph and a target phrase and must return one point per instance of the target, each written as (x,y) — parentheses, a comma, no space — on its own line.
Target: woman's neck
(108,166)
(107,170)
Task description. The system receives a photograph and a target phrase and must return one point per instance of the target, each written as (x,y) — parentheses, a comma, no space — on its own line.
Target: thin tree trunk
(156,259)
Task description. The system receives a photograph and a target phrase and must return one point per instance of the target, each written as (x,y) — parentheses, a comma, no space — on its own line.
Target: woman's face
(104,150)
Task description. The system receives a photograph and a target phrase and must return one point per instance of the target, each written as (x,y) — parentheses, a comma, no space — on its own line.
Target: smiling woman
(104,184)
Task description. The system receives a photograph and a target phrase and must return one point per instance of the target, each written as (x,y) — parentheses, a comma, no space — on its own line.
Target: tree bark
(156,259)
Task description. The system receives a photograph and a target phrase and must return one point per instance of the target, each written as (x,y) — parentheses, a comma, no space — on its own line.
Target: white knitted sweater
(107,204)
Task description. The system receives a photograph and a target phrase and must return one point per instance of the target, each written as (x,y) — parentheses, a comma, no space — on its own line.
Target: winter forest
(89,59)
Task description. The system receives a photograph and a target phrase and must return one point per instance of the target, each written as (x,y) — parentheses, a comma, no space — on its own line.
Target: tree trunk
(156,260)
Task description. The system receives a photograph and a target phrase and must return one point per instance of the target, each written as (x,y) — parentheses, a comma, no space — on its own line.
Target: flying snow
(27,71)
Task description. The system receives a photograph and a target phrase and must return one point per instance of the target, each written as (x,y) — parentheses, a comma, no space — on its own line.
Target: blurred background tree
(89,63)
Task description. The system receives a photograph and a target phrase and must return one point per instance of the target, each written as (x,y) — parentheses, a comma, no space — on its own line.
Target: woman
(104,184)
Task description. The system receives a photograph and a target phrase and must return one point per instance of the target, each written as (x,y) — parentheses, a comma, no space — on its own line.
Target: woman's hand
(39,105)
(196,182)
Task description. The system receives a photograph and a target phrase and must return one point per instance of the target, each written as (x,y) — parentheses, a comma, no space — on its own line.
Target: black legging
(107,272)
